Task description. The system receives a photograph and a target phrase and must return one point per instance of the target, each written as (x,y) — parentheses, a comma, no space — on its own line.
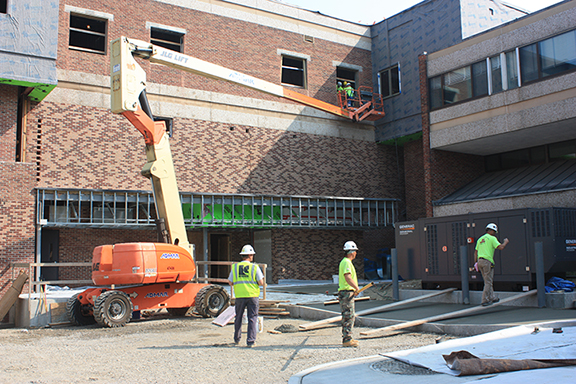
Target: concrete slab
(426,364)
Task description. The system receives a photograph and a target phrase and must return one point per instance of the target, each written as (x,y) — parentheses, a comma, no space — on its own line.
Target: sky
(373,11)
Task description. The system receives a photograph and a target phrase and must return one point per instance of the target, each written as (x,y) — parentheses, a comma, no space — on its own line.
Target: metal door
(49,253)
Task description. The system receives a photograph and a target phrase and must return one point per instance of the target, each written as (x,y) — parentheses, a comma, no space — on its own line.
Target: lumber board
(355,299)
(370,311)
(462,312)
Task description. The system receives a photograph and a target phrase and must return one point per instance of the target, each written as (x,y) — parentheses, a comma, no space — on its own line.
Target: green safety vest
(244,280)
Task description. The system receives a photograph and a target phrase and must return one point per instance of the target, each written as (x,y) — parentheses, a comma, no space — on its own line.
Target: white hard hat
(492,226)
(247,250)
(350,246)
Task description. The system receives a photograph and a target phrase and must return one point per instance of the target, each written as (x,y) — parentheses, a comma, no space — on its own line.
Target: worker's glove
(476,266)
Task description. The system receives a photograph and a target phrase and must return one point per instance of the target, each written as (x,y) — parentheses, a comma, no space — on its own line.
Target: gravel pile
(178,350)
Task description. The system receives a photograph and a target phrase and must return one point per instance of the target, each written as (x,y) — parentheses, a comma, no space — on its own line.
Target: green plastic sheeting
(222,215)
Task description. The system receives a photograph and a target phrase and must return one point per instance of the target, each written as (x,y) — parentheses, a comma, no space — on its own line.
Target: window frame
(388,72)
(304,70)
(342,79)
(537,44)
(167,43)
(104,34)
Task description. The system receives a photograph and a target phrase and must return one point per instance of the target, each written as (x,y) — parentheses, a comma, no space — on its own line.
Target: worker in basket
(349,93)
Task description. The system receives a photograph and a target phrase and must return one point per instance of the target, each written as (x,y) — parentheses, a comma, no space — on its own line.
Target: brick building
(76,186)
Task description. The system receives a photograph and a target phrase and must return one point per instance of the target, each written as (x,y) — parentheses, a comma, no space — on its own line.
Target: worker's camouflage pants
(346,299)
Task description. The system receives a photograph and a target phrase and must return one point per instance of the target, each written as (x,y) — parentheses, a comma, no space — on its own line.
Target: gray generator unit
(429,248)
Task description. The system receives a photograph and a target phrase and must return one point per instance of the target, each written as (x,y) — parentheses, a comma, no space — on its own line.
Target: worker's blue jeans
(251,304)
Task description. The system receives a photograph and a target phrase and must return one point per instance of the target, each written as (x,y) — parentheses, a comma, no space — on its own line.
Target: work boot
(350,343)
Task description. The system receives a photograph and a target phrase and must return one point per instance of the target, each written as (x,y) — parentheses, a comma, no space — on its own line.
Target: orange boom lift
(143,276)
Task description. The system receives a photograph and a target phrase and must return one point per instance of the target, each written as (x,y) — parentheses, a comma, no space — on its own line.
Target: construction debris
(286,328)
(12,294)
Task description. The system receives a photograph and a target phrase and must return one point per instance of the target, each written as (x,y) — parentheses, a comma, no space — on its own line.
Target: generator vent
(540,223)
(458,239)
(565,223)
(432,252)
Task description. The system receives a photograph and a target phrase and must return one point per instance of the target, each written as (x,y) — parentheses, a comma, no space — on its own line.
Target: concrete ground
(491,323)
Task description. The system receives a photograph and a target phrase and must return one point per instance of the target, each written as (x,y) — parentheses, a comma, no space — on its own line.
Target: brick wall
(414,179)
(452,171)
(252,50)
(311,254)
(90,148)
(8,119)
(17,229)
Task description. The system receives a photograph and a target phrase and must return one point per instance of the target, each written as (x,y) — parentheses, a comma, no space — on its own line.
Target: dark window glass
(166,39)
(492,163)
(496,69)
(343,74)
(385,84)
(395,80)
(87,34)
(436,92)
(480,79)
(390,81)
(293,71)
(3,6)
(457,85)
(515,159)
(562,151)
(538,155)
(558,54)
(529,63)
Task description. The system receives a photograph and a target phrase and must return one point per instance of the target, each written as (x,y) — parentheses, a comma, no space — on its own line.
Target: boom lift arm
(128,83)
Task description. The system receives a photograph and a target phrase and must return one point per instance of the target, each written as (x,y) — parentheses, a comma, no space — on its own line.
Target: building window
(87,34)
(167,39)
(390,81)
(479,79)
(548,57)
(511,70)
(3,6)
(294,71)
(348,75)
(495,75)
(565,150)
(457,85)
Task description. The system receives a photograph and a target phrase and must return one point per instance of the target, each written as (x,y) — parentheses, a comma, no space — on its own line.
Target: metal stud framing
(136,209)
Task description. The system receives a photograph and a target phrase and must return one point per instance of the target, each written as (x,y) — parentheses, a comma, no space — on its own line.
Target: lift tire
(177,312)
(74,312)
(113,309)
(212,300)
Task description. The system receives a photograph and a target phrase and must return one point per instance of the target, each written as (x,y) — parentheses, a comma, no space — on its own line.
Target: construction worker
(246,278)
(347,290)
(484,256)
(349,93)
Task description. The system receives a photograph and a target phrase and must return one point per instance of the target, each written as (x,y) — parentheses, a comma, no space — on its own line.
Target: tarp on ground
(533,341)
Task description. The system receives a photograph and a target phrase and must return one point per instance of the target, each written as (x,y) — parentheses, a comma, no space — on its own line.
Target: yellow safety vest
(244,280)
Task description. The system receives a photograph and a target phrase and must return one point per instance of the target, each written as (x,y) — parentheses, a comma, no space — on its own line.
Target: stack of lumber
(270,308)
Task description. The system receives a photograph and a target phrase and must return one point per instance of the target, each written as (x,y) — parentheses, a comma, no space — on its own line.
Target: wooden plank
(381,308)
(355,299)
(463,312)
